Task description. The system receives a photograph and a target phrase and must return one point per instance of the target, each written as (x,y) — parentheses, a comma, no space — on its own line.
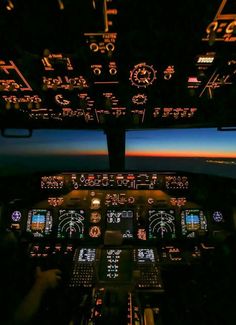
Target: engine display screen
(161,224)
(121,220)
(87,255)
(145,255)
(115,265)
(193,223)
(71,224)
(39,222)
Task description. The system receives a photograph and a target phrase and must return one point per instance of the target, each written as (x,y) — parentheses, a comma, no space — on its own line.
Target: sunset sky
(56,142)
(146,143)
(181,143)
(87,150)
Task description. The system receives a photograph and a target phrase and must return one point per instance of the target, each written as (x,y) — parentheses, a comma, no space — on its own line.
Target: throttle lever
(148,317)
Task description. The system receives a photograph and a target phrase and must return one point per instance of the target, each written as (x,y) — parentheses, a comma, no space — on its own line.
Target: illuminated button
(130,177)
(94,47)
(231,27)
(113,71)
(110,47)
(97,71)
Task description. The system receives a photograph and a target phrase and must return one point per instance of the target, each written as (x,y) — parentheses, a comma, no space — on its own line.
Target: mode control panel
(138,181)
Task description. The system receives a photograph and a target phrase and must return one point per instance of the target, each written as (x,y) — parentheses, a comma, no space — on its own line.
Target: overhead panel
(105,64)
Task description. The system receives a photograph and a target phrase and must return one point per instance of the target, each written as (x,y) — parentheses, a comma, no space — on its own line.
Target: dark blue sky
(54,150)
(56,142)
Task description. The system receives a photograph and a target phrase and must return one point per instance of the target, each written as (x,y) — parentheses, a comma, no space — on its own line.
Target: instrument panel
(142,206)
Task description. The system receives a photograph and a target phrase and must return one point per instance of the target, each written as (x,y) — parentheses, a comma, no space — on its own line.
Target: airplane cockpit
(118,157)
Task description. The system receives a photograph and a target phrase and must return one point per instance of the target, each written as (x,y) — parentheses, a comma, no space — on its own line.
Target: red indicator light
(130,177)
(112,11)
(193,79)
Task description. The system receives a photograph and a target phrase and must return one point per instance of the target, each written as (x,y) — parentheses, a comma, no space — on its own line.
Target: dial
(139,99)
(95,203)
(95,217)
(71,224)
(143,75)
(161,224)
(61,100)
(16,216)
(95,232)
(150,200)
(218,216)
(142,234)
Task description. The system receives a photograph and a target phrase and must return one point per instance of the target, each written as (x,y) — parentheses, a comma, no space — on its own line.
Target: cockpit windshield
(54,150)
(204,150)
(118,162)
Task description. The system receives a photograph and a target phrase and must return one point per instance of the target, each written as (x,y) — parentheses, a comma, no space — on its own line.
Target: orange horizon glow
(83,153)
(62,153)
(196,154)
(89,153)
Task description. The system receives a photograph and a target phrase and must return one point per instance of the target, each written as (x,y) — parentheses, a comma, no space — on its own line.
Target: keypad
(82,275)
(150,277)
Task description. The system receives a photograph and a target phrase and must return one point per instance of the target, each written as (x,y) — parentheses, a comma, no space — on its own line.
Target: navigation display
(121,220)
(193,223)
(115,265)
(161,224)
(71,224)
(39,222)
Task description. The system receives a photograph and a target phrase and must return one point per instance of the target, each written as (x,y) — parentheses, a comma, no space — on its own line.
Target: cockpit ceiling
(126,64)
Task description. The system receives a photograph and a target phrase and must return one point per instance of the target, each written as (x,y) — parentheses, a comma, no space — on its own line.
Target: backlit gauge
(95,203)
(71,224)
(16,216)
(193,223)
(61,100)
(150,200)
(161,224)
(142,75)
(131,200)
(139,99)
(218,216)
(39,222)
(95,217)
(95,232)
(142,234)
